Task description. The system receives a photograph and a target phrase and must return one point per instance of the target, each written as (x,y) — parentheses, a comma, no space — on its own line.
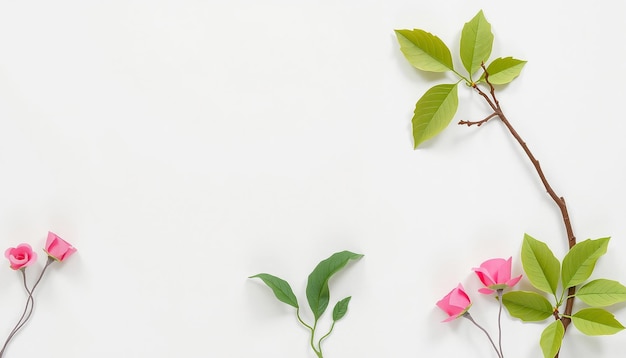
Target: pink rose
(495,274)
(20,256)
(58,248)
(455,303)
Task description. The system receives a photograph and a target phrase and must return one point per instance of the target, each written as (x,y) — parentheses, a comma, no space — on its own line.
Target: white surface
(182,146)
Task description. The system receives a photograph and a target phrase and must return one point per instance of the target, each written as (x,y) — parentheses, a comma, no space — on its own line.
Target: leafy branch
(435,110)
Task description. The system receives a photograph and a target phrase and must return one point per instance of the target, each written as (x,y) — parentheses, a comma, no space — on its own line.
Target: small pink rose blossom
(495,274)
(455,303)
(58,248)
(20,256)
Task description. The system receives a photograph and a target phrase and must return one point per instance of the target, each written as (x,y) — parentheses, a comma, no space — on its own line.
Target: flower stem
(500,323)
(28,307)
(468,316)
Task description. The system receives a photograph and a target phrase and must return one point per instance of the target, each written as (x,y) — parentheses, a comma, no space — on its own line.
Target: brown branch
(559,200)
(491,104)
(478,123)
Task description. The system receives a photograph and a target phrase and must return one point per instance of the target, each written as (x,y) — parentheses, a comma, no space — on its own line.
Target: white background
(183,146)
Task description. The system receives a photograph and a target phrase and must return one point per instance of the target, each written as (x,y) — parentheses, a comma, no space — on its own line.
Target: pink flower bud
(20,256)
(58,248)
(455,303)
(495,274)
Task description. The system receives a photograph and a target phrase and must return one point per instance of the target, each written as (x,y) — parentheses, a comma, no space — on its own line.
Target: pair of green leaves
(427,52)
(317,290)
(547,274)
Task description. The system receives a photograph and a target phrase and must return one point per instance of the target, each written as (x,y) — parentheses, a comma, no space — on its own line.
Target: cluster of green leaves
(317,293)
(426,52)
(547,274)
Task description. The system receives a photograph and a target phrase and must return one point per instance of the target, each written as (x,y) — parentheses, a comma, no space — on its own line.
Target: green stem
(311,329)
(301,321)
(461,77)
(319,343)
(564,295)
(317,352)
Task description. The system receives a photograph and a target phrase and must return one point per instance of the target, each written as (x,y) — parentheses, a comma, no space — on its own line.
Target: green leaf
(434,111)
(602,292)
(527,306)
(596,322)
(281,288)
(424,50)
(317,291)
(541,266)
(476,43)
(580,261)
(551,339)
(341,308)
(503,70)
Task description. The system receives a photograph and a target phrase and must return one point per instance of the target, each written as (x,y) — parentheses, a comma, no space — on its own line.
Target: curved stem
(559,200)
(28,307)
(301,321)
(48,263)
(319,343)
(312,331)
(468,316)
